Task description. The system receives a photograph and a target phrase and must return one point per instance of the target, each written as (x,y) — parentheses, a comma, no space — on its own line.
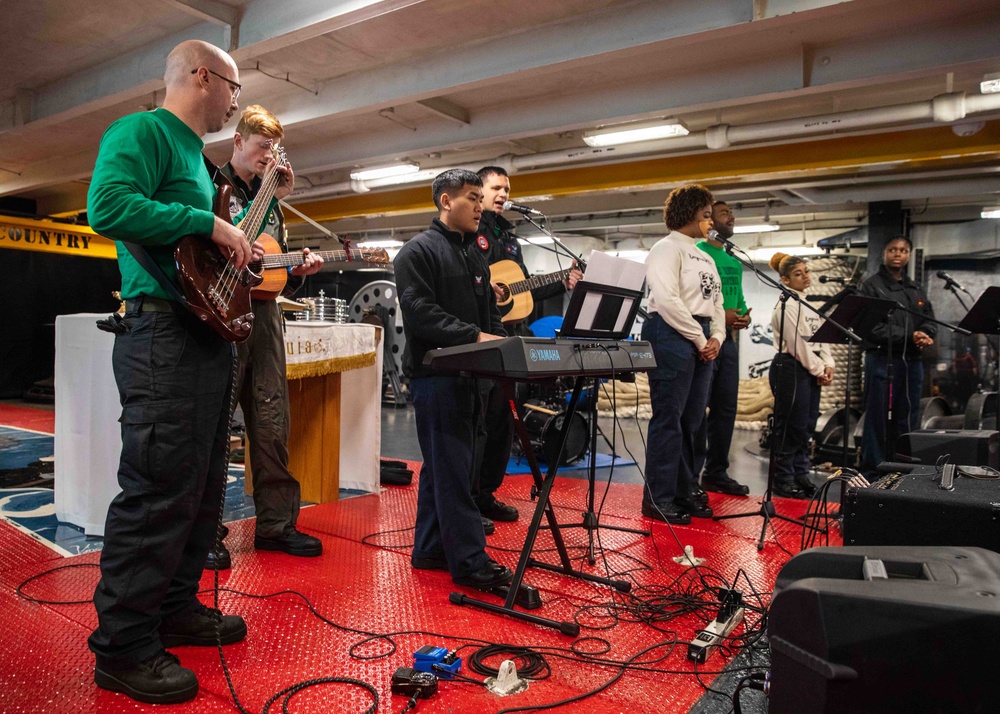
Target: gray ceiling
(467,82)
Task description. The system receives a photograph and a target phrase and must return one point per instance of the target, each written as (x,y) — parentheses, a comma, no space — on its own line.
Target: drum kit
(544,419)
(935,413)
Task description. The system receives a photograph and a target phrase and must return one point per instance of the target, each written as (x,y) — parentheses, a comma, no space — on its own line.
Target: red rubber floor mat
(372,589)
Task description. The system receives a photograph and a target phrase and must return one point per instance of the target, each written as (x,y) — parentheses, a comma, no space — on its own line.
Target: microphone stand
(767,510)
(566,251)
(889,368)
(590,521)
(580,261)
(953,287)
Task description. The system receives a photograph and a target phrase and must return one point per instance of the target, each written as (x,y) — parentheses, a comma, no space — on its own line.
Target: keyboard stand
(543,487)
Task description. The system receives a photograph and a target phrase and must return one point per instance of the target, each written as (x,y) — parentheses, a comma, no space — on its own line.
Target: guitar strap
(143,258)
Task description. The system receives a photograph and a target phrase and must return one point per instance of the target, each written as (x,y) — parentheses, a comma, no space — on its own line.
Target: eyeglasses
(236,86)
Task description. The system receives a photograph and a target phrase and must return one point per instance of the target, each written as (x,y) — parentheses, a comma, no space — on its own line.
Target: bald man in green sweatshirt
(151,187)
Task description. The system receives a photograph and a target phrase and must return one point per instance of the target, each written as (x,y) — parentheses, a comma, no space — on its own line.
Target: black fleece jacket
(444,294)
(901,325)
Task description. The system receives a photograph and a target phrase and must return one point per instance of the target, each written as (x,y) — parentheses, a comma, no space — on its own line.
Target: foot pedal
(527,595)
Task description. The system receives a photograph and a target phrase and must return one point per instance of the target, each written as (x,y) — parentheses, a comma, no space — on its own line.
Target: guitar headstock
(378,256)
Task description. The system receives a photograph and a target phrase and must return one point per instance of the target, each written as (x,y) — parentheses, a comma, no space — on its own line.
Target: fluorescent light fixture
(425,175)
(991,212)
(627,134)
(386,243)
(764,254)
(639,256)
(384,172)
(990,84)
(536,240)
(757,228)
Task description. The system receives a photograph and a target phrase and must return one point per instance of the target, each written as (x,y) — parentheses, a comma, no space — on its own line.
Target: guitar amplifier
(961,446)
(913,509)
(869,630)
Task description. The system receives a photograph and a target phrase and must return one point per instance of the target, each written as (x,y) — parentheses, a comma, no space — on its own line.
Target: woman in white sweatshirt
(686,326)
(797,373)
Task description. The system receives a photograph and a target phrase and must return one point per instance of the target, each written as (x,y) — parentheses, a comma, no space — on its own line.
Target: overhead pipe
(944,108)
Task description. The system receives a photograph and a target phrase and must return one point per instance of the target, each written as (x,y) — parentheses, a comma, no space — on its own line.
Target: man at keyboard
(446,300)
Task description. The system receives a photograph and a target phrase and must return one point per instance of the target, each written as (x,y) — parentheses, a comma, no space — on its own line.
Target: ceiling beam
(581,38)
(764,76)
(212,11)
(832,155)
(448,110)
(266,25)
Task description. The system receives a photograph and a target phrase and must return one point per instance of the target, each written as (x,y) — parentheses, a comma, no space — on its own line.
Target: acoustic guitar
(216,292)
(516,302)
(273,267)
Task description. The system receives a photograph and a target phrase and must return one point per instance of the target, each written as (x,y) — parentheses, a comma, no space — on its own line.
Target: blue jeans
(448,523)
(908,383)
(715,436)
(678,392)
(796,409)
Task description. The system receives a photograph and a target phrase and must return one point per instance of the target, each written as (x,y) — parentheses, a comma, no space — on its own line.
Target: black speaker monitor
(859,630)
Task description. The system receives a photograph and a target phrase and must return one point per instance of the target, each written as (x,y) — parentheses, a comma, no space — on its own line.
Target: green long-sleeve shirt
(731,274)
(150,187)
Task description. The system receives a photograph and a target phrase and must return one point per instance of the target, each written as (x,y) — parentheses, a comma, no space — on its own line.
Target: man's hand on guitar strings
(233,243)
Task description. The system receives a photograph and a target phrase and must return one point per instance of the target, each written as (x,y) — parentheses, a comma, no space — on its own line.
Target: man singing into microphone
(905,334)
(712,442)
(496,241)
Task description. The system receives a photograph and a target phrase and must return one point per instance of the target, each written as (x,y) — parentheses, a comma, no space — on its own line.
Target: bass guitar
(516,302)
(273,266)
(216,292)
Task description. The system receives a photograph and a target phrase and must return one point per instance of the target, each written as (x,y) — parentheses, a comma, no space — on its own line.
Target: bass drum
(831,430)
(544,423)
(981,411)
(932,409)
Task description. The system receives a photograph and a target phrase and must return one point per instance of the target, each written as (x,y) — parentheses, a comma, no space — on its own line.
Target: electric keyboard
(540,357)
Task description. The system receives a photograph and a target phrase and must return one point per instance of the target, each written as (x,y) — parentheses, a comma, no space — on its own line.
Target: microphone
(511,206)
(949,281)
(828,279)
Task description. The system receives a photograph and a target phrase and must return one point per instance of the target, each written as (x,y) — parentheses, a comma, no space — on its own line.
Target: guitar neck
(538,281)
(254,218)
(281,260)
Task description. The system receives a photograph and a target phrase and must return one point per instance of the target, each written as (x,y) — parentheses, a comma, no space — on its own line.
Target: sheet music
(605,269)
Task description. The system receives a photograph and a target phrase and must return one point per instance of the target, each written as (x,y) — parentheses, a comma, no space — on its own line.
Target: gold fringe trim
(327,366)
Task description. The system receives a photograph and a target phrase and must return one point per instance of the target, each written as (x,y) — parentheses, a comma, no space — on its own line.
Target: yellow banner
(53,237)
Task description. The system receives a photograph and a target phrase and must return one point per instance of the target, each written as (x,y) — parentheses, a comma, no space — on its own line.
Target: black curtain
(34,288)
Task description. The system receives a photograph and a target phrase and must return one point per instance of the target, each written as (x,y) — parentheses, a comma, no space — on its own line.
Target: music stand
(984,319)
(600,312)
(862,314)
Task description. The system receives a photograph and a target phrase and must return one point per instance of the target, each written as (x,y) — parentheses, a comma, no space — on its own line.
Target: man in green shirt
(150,187)
(715,436)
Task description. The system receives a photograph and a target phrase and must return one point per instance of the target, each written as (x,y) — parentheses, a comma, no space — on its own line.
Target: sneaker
(293,542)
(159,679)
(198,628)
(491,575)
(219,559)
(489,528)
(693,508)
(724,484)
(498,510)
(667,512)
